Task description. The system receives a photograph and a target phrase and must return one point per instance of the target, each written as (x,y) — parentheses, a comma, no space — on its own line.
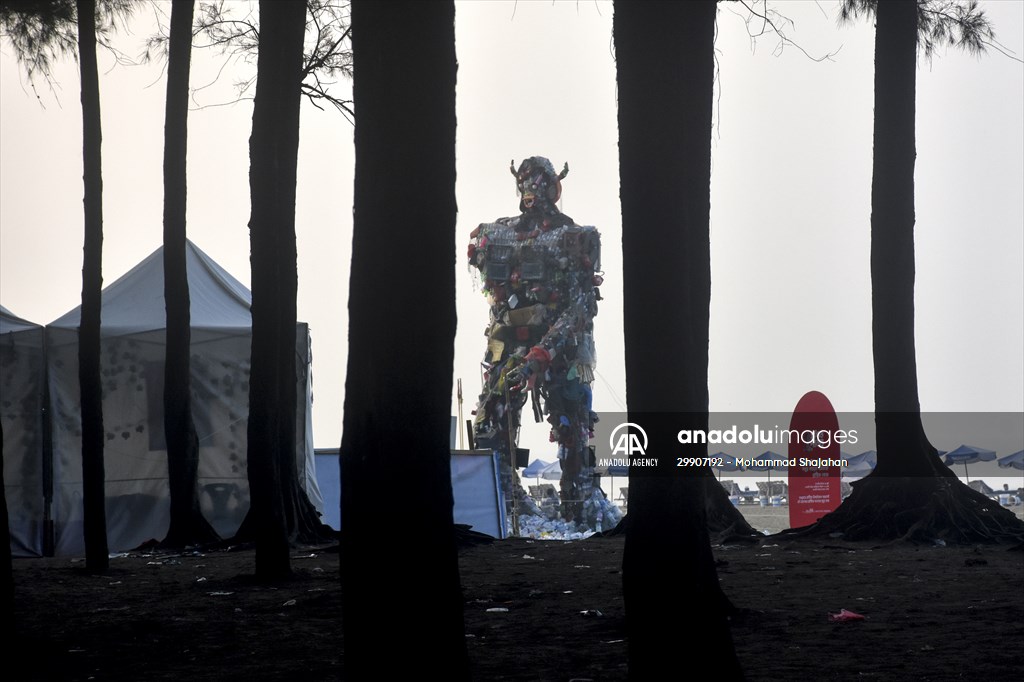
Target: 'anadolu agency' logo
(628,439)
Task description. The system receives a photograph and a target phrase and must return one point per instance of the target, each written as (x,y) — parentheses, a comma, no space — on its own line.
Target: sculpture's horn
(512,168)
(565,171)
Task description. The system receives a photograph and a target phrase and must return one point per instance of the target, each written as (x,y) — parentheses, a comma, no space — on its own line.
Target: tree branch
(769,19)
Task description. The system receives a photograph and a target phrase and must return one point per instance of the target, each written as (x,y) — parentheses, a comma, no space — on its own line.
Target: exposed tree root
(917,509)
(197,532)
(725,522)
(304,524)
(309,529)
(465,536)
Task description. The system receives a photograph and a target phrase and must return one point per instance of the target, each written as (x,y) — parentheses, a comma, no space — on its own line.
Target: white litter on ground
(598,514)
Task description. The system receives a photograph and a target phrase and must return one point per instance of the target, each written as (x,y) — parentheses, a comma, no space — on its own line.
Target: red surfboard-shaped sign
(814,470)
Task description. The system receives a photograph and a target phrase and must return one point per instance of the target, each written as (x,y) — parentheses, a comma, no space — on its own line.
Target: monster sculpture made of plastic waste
(540,272)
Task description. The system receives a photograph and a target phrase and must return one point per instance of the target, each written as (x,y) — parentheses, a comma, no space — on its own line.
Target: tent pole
(460,414)
(49,537)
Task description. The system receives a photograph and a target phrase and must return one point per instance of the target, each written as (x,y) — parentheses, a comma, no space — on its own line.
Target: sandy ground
(775,519)
(931,613)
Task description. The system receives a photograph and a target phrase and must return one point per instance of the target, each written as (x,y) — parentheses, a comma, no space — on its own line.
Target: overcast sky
(790,199)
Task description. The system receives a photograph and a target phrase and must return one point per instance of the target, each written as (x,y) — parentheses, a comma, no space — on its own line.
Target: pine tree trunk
(396,476)
(675,609)
(903,448)
(273,151)
(187,523)
(6,567)
(93,483)
(911,494)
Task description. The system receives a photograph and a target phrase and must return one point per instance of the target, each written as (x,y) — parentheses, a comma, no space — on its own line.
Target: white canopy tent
(135,457)
(21,416)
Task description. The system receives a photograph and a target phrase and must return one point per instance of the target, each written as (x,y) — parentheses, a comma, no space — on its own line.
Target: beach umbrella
(552,472)
(859,466)
(766,461)
(534,470)
(536,466)
(965,454)
(1014,461)
(729,463)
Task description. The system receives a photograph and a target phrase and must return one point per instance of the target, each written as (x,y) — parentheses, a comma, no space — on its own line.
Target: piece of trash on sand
(497,609)
(844,616)
(290,602)
(219,594)
(591,613)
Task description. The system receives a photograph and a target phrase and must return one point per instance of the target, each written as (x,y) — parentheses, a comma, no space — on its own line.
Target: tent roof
(9,322)
(135,302)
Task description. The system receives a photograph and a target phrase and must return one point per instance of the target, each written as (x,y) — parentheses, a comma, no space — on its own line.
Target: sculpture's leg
(501,417)
(572,504)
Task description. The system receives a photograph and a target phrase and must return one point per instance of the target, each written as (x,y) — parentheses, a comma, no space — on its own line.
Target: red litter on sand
(844,616)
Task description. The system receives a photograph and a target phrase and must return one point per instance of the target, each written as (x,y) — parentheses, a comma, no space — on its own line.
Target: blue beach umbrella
(859,466)
(965,454)
(536,466)
(534,470)
(552,472)
(766,462)
(729,463)
(1014,461)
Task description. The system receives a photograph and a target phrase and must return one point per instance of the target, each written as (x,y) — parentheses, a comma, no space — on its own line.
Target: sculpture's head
(538,185)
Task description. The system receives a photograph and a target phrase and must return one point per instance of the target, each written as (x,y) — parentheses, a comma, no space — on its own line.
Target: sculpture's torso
(540,284)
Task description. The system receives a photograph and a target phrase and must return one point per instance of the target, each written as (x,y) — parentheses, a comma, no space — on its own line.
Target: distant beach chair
(544,491)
